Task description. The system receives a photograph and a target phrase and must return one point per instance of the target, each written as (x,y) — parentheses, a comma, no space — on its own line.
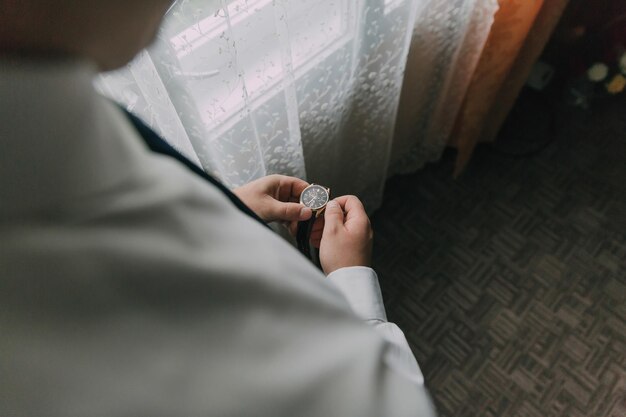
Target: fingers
(347,235)
(333,216)
(288,189)
(316,232)
(351,205)
(275,198)
(287,212)
(293,228)
(355,215)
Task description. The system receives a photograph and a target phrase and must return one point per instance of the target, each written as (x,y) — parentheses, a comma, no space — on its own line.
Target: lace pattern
(308,88)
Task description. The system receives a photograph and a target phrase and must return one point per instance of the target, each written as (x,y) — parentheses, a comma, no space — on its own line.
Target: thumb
(288,212)
(333,216)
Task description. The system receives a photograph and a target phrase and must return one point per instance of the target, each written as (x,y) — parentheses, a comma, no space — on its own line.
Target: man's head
(108,32)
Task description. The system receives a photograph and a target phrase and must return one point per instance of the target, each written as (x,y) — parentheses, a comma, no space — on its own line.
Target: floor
(510,282)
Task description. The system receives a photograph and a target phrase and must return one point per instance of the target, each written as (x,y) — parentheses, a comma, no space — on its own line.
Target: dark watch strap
(303,236)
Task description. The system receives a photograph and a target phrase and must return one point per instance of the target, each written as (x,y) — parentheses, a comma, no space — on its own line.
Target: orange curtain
(518,35)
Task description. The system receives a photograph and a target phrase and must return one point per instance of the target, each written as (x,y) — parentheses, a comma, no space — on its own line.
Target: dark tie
(159,145)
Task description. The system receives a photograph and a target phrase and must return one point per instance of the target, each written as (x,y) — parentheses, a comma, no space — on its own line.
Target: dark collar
(159,145)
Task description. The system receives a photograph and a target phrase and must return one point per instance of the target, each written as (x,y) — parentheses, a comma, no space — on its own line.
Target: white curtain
(309,88)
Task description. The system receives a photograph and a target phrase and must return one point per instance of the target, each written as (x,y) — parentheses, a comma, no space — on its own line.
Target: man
(132,286)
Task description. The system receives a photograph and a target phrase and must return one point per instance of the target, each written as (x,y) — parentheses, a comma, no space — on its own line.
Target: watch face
(314,197)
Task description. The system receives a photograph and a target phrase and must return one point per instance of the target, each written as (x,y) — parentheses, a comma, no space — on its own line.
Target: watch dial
(315,197)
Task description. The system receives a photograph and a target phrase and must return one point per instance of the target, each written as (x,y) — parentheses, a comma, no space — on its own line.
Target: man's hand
(276,198)
(347,236)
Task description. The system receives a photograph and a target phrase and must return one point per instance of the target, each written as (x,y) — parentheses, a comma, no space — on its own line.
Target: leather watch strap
(303,236)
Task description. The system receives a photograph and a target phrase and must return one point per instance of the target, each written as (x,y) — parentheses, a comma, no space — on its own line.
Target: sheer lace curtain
(309,88)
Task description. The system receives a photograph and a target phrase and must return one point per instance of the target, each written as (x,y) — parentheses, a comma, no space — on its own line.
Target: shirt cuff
(359,284)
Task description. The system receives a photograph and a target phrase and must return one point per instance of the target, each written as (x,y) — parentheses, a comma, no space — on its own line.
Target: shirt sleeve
(360,287)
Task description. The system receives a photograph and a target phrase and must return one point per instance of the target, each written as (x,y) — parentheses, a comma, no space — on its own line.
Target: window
(217,51)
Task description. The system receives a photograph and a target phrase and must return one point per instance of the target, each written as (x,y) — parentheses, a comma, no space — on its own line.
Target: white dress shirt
(131,287)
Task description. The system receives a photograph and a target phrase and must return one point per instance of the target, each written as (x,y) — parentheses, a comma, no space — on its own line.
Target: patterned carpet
(510,282)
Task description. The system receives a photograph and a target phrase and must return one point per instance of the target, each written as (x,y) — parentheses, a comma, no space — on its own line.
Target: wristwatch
(314,197)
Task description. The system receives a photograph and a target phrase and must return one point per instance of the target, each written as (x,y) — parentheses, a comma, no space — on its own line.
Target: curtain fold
(544,25)
(519,33)
(307,88)
(447,42)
